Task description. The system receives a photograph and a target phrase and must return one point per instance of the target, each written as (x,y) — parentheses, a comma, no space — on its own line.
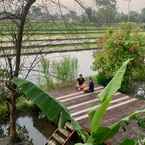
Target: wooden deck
(79,104)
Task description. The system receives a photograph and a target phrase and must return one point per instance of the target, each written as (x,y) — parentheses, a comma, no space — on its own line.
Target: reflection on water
(38,130)
(85,61)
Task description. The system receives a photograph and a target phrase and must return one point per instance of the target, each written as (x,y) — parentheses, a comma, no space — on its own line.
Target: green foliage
(106,13)
(100,134)
(106,98)
(128,142)
(58,72)
(56,112)
(22,106)
(141,120)
(106,3)
(66,69)
(46,81)
(102,80)
(118,46)
(84,144)
(3,112)
(53,110)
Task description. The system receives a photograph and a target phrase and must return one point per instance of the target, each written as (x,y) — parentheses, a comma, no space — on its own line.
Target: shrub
(46,81)
(102,79)
(58,72)
(117,46)
(66,69)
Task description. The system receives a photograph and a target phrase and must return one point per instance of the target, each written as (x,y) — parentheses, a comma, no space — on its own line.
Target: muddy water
(38,130)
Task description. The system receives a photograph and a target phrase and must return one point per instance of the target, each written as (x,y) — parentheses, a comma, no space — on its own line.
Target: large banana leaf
(105,133)
(96,116)
(129,142)
(54,110)
(106,97)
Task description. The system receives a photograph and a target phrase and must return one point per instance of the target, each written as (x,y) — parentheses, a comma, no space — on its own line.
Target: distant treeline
(106,13)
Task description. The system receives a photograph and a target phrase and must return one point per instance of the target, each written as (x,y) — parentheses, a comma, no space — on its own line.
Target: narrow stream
(38,130)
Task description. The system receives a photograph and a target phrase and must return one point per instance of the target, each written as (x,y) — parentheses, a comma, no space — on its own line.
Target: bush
(117,46)
(46,80)
(66,69)
(57,73)
(102,80)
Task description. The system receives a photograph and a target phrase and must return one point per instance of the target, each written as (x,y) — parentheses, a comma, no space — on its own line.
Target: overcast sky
(136,5)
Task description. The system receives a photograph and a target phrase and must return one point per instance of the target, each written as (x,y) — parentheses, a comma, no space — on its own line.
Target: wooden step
(68,126)
(58,139)
(51,142)
(63,132)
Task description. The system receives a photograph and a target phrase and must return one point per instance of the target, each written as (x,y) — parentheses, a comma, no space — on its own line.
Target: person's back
(91,85)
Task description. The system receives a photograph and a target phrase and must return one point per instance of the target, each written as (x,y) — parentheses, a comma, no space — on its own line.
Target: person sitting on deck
(90,87)
(81,82)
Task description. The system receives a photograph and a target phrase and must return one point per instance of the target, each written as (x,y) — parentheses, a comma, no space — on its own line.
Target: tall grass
(66,69)
(60,72)
(46,80)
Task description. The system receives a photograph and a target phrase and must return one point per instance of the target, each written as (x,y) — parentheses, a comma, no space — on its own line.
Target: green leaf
(102,134)
(128,142)
(83,144)
(54,110)
(116,126)
(106,97)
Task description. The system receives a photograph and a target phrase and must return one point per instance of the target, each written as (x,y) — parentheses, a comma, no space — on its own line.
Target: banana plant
(57,113)
(99,134)
(53,110)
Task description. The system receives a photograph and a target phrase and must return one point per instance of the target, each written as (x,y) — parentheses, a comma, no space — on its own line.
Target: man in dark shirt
(80,82)
(91,85)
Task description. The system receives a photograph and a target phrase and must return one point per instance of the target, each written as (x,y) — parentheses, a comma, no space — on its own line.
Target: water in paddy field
(85,61)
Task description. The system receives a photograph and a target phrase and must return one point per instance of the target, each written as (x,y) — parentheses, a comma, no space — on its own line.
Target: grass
(23,106)
(64,72)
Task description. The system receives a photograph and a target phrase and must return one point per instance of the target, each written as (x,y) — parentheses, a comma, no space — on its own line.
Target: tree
(91,14)
(142,15)
(106,3)
(17,18)
(36,11)
(117,46)
(134,16)
(106,11)
(121,17)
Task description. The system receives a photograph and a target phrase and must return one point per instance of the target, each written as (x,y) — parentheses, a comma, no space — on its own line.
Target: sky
(136,5)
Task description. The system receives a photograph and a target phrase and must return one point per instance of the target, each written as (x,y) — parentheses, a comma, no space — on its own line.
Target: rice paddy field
(49,37)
